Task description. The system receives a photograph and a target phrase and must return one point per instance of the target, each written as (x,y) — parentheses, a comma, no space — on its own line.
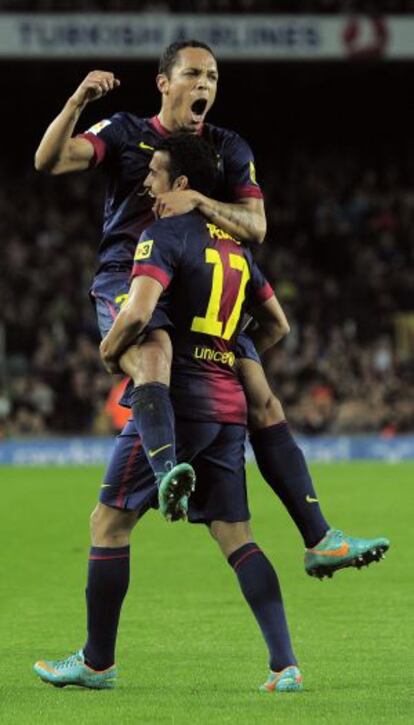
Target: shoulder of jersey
(178,225)
(220,135)
(129,120)
(181,220)
(169,224)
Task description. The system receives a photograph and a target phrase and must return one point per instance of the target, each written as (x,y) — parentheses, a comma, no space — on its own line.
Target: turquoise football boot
(174,490)
(338,551)
(74,671)
(288,680)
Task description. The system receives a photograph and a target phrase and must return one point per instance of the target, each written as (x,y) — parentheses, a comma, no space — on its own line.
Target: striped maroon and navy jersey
(124,145)
(209,281)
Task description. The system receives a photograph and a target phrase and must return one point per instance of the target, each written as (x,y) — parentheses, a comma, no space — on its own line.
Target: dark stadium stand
(336,165)
(339,251)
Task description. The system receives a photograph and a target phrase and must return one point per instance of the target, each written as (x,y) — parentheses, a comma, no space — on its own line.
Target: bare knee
(230,536)
(111,527)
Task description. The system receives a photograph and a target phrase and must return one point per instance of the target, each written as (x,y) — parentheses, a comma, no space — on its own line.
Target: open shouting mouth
(198,109)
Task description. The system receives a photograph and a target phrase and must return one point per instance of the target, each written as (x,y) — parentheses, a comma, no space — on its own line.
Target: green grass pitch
(189,650)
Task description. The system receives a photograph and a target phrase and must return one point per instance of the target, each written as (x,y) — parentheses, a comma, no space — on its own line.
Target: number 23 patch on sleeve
(143,250)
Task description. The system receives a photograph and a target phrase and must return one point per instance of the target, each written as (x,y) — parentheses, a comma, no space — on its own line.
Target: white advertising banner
(233,37)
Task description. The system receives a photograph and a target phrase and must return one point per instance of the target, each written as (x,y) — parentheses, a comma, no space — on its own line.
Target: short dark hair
(191,156)
(169,56)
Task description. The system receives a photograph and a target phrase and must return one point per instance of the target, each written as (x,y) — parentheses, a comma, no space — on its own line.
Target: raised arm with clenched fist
(96,85)
(58,152)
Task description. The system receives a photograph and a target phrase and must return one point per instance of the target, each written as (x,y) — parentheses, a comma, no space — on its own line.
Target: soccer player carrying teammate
(187,81)
(211,418)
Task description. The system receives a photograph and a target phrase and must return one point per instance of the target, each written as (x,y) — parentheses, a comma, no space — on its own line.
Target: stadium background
(333,144)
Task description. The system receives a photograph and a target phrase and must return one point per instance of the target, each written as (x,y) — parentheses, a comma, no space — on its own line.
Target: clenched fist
(96,85)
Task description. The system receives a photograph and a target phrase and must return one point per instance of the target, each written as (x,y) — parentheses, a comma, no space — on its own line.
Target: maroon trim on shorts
(120,499)
(111,308)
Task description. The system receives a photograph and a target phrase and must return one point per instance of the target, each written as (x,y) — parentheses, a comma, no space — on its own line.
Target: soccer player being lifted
(211,418)
(123,144)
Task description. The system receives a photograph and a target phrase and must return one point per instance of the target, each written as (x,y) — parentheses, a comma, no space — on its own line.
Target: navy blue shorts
(109,292)
(216,450)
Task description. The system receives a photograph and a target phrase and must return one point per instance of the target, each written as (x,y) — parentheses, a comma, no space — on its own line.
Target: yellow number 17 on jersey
(210,324)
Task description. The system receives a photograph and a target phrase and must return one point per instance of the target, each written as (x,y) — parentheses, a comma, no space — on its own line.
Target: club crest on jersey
(97,127)
(143,250)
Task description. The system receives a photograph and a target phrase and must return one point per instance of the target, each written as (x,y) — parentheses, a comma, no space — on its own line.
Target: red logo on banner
(365,37)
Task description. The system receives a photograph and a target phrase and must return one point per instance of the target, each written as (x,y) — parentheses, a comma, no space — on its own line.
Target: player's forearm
(265,337)
(57,137)
(242,223)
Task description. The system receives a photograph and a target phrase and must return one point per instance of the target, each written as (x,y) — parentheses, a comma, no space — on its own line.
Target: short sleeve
(106,136)
(158,252)
(240,170)
(259,289)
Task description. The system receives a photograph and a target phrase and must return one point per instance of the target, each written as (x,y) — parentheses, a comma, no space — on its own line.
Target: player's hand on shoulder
(173,203)
(96,85)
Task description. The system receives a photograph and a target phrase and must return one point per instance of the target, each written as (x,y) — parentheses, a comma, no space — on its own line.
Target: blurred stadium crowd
(211,6)
(340,252)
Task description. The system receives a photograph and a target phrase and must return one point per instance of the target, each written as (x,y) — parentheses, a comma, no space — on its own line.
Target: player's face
(158,178)
(191,89)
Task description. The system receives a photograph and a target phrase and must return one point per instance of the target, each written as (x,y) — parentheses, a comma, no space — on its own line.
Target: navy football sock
(260,586)
(283,466)
(154,418)
(108,579)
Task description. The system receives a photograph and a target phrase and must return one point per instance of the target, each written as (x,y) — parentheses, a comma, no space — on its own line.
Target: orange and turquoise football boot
(287,680)
(338,551)
(74,671)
